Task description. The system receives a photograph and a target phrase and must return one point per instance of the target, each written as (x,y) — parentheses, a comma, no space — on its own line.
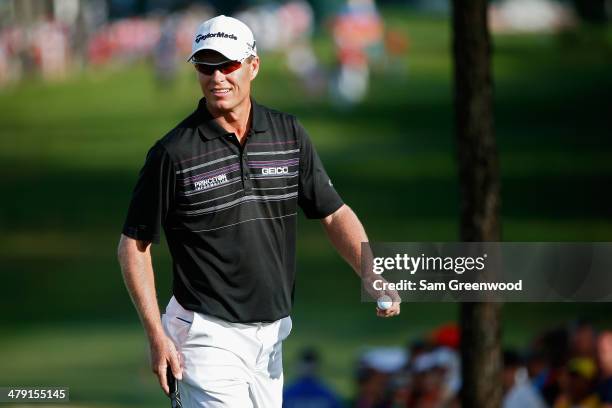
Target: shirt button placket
(246,176)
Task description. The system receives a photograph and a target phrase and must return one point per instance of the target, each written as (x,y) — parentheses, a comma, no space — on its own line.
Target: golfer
(225,185)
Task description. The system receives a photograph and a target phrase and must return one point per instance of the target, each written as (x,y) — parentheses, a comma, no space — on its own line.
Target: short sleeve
(316,194)
(152,197)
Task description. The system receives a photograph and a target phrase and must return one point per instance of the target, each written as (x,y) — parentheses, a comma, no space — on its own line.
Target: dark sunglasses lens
(225,69)
(205,69)
(230,67)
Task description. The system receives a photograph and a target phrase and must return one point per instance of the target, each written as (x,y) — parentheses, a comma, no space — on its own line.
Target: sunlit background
(86,87)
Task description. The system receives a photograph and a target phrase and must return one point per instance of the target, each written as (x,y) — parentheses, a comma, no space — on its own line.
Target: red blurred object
(447,335)
(128,38)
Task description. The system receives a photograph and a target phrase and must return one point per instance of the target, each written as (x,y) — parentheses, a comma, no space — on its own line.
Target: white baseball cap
(226,35)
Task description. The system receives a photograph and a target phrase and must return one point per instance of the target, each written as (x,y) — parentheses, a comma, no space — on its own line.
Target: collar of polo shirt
(210,129)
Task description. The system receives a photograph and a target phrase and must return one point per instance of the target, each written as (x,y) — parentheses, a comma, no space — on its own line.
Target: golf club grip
(170,380)
(175,400)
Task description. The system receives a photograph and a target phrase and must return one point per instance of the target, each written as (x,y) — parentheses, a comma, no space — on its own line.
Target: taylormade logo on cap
(226,35)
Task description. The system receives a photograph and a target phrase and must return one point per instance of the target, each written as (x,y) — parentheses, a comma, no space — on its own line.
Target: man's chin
(218,105)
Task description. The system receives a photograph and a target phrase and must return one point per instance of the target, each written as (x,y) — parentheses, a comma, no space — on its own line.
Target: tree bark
(480,194)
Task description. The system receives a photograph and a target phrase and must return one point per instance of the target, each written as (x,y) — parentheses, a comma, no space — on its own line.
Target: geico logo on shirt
(275,170)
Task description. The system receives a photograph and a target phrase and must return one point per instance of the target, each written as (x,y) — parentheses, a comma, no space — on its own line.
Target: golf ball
(384,302)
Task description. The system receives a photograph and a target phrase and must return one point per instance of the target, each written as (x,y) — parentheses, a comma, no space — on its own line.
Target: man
(309,390)
(518,390)
(225,185)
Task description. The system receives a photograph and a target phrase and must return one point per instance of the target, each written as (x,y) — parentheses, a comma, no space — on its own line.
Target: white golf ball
(384,302)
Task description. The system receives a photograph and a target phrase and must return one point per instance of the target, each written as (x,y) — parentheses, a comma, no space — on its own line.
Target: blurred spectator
(446,335)
(604,354)
(583,340)
(578,385)
(448,361)
(427,386)
(358,37)
(165,52)
(397,46)
(6,69)
(428,377)
(553,347)
(376,374)
(298,18)
(309,391)
(537,369)
(124,40)
(50,49)
(530,16)
(436,379)
(384,359)
(78,32)
(416,348)
(518,390)
(287,27)
(372,388)
(557,368)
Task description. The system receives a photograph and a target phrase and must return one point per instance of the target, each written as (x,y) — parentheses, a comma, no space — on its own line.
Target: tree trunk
(480,196)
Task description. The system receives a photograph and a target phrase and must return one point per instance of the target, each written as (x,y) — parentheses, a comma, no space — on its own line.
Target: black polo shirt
(229,211)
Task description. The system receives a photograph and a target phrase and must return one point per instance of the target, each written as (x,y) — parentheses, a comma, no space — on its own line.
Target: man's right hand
(135,260)
(164,354)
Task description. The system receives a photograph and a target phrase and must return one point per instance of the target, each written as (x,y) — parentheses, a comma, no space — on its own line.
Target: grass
(70,152)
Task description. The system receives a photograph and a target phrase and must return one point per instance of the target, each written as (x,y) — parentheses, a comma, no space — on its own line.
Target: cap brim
(194,61)
(227,57)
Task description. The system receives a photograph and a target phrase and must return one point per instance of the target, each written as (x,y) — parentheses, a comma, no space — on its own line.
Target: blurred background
(86,87)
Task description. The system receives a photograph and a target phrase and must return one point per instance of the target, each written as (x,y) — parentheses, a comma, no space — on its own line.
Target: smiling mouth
(220,91)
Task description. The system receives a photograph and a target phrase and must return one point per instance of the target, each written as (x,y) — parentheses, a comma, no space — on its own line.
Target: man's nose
(218,76)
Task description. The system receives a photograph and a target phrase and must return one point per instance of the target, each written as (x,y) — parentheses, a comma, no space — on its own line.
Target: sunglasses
(225,68)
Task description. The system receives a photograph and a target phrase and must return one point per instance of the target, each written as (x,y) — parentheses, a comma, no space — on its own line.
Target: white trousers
(227,365)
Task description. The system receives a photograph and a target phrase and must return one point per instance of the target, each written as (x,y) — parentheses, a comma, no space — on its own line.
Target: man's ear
(254,67)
